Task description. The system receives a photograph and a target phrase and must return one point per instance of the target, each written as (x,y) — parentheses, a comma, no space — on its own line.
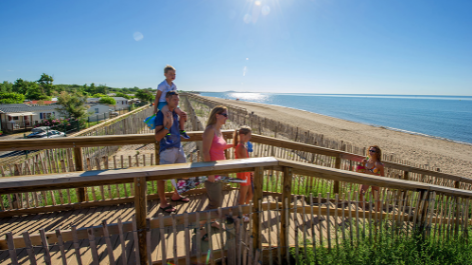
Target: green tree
(102,89)
(107,100)
(11,98)
(6,87)
(123,95)
(34,92)
(20,86)
(144,95)
(92,90)
(72,105)
(98,95)
(46,83)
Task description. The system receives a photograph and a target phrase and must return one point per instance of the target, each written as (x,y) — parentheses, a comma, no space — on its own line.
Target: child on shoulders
(160,104)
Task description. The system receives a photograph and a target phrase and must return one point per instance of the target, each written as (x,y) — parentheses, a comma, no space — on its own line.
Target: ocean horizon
(438,116)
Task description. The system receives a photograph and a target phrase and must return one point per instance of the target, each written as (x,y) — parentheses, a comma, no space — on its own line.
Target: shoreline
(450,156)
(374,125)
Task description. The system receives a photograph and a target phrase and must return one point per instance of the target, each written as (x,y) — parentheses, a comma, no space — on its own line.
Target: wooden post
(141,214)
(257,199)
(336,183)
(156,152)
(286,196)
(79,166)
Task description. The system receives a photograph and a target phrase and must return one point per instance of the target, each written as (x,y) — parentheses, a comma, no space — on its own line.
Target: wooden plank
(44,242)
(124,257)
(93,247)
(79,166)
(29,248)
(286,196)
(257,199)
(11,248)
(360,178)
(111,257)
(76,246)
(135,243)
(140,204)
(61,246)
(161,172)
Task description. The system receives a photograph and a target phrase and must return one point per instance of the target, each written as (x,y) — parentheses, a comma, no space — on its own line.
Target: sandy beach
(451,157)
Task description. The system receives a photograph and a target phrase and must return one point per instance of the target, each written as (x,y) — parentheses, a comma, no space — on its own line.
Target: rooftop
(9,108)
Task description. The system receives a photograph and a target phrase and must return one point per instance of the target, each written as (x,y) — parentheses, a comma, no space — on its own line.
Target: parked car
(114,114)
(38,131)
(53,134)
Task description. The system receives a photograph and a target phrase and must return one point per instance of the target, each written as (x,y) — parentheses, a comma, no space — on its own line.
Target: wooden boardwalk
(300,226)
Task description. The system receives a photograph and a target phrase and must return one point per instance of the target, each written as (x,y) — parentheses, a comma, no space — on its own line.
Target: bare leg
(249,195)
(243,194)
(161,191)
(183,117)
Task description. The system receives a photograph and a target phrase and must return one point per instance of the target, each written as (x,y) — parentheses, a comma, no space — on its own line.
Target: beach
(450,157)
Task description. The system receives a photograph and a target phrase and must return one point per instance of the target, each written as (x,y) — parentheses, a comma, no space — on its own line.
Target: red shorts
(245,176)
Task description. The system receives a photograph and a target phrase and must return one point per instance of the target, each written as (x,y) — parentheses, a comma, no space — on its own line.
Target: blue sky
(320,46)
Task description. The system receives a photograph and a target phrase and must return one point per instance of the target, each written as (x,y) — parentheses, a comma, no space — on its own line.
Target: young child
(161,104)
(240,140)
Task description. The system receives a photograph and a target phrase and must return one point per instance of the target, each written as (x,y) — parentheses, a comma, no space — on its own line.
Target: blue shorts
(161,105)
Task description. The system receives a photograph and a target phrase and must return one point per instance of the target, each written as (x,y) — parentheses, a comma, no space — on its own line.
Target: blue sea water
(448,117)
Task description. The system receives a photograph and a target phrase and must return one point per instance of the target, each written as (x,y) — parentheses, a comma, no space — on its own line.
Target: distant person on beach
(214,146)
(170,151)
(240,139)
(372,165)
(161,103)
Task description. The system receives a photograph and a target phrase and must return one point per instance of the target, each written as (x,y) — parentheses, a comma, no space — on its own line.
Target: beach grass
(387,249)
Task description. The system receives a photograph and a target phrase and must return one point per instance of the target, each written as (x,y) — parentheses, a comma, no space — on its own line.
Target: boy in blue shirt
(161,104)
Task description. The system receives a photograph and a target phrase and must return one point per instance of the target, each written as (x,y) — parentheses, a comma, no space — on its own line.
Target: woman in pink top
(214,146)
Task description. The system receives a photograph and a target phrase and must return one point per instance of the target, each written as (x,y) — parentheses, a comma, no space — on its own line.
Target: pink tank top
(217,149)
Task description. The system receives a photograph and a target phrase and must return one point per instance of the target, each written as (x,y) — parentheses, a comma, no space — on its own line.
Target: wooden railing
(335,157)
(426,200)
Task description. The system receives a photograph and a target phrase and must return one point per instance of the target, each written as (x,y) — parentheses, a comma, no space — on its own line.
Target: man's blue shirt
(172,140)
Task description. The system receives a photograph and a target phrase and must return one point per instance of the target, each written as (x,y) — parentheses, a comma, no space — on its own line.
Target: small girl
(240,140)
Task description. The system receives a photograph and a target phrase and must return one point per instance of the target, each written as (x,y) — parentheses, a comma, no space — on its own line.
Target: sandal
(181,199)
(168,209)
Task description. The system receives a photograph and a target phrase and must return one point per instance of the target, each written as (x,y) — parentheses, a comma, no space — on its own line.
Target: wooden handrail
(305,169)
(91,141)
(105,177)
(112,140)
(79,179)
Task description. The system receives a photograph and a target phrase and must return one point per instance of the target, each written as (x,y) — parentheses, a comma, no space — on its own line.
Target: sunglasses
(372,151)
(224,114)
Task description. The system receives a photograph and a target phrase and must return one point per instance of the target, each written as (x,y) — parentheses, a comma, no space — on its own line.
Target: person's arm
(167,121)
(381,168)
(156,101)
(355,158)
(229,146)
(241,151)
(207,136)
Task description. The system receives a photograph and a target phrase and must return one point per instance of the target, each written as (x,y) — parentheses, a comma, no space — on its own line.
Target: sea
(444,117)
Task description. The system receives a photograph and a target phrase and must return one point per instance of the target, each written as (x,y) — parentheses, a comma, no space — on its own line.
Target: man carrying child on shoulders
(170,151)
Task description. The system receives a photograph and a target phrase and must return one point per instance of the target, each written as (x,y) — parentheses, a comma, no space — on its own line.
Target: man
(170,151)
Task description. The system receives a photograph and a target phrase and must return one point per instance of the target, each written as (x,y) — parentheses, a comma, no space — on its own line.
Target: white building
(23,117)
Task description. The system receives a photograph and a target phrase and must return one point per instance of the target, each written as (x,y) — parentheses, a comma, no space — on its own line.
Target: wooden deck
(94,216)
